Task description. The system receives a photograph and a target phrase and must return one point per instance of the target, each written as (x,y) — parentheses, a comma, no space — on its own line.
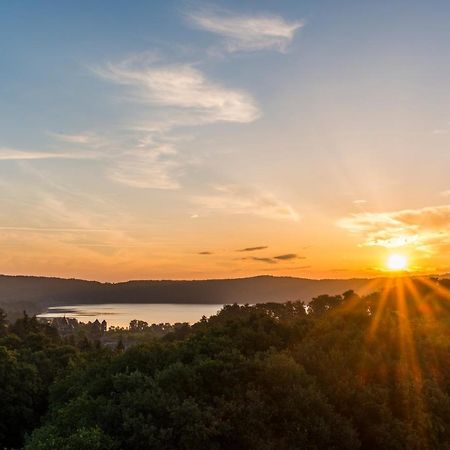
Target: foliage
(342,372)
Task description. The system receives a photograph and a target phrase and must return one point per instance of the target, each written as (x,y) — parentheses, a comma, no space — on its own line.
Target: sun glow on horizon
(397,261)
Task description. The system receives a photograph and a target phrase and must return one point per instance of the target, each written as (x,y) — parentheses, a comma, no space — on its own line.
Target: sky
(191,140)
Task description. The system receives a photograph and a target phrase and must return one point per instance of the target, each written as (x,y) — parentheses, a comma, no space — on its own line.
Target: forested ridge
(44,291)
(345,371)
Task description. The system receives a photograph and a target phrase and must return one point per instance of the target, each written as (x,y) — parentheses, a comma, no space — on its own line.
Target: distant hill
(57,291)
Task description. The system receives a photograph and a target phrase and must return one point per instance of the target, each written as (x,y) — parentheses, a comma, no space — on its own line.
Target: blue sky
(136,135)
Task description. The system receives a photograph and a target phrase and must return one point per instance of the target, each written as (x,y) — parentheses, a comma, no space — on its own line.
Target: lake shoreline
(121,314)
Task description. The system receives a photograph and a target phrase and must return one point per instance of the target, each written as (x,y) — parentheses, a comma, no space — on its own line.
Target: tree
(120,346)
(3,322)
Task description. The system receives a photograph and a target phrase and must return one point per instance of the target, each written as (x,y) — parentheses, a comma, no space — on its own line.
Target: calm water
(120,314)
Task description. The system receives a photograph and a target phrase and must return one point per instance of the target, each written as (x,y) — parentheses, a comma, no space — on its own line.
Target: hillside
(56,291)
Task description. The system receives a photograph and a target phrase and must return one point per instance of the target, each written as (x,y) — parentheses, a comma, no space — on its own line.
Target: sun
(397,261)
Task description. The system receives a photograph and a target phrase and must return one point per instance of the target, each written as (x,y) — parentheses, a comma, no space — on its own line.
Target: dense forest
(345,371)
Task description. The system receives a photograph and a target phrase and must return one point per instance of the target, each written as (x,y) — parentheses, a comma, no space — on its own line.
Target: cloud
(10,154)
(86,139)
(73,221)
(359,202)
(284,268)
(145,168)
(70,138)
(288,256)
(264,260)
(252,249)
(232,199)
(423,228)
(275,259)
(137,158)
(246,33)
(185,87)
(446,193)
(445,129)
(205,253)
(55,230)
(146,155)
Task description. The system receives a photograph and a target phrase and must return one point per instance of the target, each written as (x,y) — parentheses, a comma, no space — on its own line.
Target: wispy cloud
(183,86)
(74,222)
(252,249)
(205,253)
(84,139)
(10,154)
(145,168)
(288,256)
(233,199)
(442,130)
(274,259)
(260,259)
(284,268)
(149,157)
(55,230)
(422,228)
(245,33)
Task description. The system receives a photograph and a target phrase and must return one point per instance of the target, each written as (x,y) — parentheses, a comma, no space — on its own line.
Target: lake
(120,314)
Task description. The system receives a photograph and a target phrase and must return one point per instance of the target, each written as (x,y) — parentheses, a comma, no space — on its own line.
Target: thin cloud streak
(252,249)
(232,199)
(10,154)
(52,230)
(90,140)
(260,259)
(274,259)
(288,256)
(246,33)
